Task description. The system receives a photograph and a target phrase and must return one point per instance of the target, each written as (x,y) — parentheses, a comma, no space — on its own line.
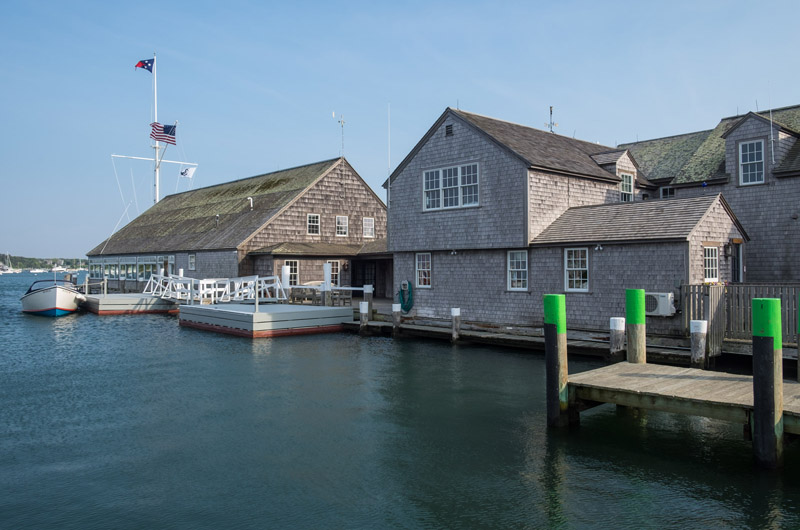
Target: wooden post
(285,280)
(105,286)
(616,340)
(86,284)
(767,419)
(256,291)
(327,298)
(368,292)
(699,330)
(555,351)
(363,309)
(455,313)
(637,336)
(396,308)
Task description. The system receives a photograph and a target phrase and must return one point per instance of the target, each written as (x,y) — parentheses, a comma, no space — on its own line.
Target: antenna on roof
(341,122)
(552,123)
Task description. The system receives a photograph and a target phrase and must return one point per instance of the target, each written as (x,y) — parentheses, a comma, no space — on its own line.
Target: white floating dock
(271,320)
(128,304)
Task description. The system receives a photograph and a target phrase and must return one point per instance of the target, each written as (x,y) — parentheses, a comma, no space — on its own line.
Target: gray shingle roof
(610,157)
(543,149)
(187,221)
(697,157)
(672,219)
(294,248)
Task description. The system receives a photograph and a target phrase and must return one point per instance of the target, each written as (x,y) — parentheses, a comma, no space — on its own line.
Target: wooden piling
(396,308)
(368,296)
(616,340)
(455,313)
(363,310)
(555,349)
(767,421)
(635,318)
(699,330)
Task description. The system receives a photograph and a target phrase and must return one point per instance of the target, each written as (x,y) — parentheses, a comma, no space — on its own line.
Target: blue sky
(254,84)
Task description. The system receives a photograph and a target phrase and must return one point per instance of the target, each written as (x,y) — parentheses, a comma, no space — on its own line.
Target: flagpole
(155,116)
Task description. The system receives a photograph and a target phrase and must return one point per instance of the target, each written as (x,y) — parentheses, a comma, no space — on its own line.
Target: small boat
(58,268)
(52,298)
(36,271)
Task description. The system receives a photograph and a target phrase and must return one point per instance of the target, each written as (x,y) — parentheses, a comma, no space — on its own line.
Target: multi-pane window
(312,224)
(667,193)
(711,264)
(518,270)
(433,190)
(626,188)
(369,227)
(751,162)
(334,272)
(192,262)
(294,276)
(576,269)
(450,187)
(341,225)
(424,269)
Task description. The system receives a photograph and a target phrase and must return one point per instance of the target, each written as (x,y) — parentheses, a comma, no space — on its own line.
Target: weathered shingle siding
(341,192)
(476,282)
(499,220)
(214,264)
(717,227)
(551,195)
(765,210)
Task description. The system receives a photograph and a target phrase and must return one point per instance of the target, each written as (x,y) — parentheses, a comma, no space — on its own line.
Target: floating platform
(271,320)
(128,304)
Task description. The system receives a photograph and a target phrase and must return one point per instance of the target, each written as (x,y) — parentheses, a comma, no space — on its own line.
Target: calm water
(133,422)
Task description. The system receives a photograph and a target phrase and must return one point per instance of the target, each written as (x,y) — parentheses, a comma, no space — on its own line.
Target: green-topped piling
(635,326)
(555,349)
(767,420)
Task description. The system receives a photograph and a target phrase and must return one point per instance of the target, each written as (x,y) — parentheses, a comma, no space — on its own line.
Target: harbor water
(134,422)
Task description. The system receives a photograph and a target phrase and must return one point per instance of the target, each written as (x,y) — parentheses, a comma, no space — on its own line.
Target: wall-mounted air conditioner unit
(659,304)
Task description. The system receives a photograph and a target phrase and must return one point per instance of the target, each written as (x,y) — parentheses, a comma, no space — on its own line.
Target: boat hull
(54,301)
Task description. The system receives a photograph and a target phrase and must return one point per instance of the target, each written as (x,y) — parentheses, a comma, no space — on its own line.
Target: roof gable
(537,149)
(214,217)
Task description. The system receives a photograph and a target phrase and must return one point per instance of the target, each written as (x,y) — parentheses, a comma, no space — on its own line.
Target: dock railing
(215,290)
(728,309)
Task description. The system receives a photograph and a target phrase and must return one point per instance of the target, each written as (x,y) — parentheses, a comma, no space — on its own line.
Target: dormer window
(626,188)
(751,162)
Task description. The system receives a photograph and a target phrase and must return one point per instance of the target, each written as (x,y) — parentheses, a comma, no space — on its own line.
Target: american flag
(163,133)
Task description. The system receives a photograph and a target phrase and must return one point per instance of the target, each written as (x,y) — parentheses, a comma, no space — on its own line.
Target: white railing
(215,290)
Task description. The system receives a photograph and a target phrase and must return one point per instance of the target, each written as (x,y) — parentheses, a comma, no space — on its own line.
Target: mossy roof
(699,156)
(188,221)
(295,248)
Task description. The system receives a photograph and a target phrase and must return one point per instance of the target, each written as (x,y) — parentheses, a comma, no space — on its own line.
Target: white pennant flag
(188,172)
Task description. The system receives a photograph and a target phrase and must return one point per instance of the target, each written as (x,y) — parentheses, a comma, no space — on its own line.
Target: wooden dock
(717,395)
(128,304)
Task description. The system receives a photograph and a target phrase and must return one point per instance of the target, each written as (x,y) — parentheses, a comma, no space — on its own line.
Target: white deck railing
(215,290)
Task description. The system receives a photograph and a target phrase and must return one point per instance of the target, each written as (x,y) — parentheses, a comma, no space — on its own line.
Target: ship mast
(155,119)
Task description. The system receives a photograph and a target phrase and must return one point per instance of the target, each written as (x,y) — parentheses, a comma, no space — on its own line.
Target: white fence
(215,290)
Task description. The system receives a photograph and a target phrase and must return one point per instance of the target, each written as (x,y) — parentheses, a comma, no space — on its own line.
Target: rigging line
(133,185)
(115,227)
(119,186)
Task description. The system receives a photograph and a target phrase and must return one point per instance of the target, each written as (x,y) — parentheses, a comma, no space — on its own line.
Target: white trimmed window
(294,276)
(576,269)
(192,262)
(334,272)
(517,270)
(711,264)
(424,270)
(341,225)
(312,224)
(368,226)
(450,187)
(626,188)
(751,162)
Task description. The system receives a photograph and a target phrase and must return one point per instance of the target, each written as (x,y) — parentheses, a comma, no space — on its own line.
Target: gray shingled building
(301,217)
(754,161)
(487,216)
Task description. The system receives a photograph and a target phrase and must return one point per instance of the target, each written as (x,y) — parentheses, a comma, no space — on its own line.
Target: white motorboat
(52,298)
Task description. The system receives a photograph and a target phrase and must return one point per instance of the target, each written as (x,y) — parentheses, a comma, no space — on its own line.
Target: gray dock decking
(679,390)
